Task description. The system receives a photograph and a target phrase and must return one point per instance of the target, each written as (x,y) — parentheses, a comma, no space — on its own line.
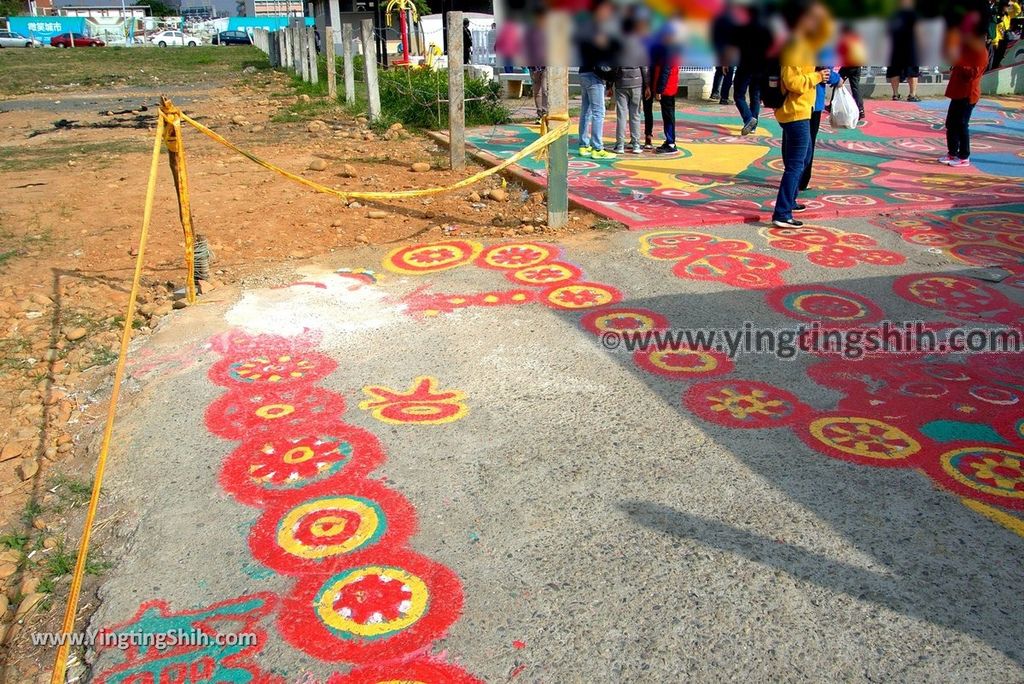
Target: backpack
(773,92)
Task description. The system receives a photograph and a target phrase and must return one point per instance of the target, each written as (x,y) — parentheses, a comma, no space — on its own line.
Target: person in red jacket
(970,59)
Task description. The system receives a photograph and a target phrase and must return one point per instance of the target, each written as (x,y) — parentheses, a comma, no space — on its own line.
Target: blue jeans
(747,80)
(796,141)
(591,111)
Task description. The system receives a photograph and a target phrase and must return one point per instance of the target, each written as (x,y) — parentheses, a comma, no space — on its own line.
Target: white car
(12,39)
(165,38)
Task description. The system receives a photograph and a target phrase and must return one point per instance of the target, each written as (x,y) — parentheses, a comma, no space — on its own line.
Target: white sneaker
(948,159)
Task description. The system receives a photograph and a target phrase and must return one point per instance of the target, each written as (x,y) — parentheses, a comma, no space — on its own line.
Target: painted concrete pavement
(429,465)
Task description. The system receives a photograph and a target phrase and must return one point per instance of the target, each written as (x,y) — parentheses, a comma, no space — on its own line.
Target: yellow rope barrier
(60,663)
(168,129)
(541,142)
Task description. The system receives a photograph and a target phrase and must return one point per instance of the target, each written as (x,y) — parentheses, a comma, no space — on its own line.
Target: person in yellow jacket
(811,27)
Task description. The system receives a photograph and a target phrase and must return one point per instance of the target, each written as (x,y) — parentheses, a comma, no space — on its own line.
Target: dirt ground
(74,162)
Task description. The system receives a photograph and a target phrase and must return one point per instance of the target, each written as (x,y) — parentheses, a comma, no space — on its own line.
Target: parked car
(64,40)
(165,38)
(12,39)
(232,38)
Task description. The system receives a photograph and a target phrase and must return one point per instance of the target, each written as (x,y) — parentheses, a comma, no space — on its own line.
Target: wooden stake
(370,65)
(556,80)
(456,94)
(176,158)
(314,66)
(332,76)
(303,50)
(346,50)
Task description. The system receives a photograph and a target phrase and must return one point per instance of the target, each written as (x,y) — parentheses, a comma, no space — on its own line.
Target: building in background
(266,8)
(103,11)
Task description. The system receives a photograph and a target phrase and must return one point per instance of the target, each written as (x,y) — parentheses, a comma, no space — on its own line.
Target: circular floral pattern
(545,274)
(744,404)
(956,295)
(996,472)
(989,221)
(386,604)
(581,296)
(683,363)
(276,368)
(265,468)
(987,255)
(862,440)
(516,255)
(623,321)
(830,306)
(431,257)
(318,530)
(246,414)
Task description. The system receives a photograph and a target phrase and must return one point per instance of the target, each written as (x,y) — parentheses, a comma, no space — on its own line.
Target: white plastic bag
(844,110)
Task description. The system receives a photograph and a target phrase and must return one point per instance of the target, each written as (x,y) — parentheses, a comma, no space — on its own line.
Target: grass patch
(14,540)
(33,509)
(608,224)
(28,71)
(71,491)
(54,154)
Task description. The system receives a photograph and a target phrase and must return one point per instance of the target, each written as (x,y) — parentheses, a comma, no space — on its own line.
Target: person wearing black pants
(852,76)
(648,118)
(958,129)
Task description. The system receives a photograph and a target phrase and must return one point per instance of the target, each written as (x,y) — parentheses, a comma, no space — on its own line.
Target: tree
(12,8)
(159,8)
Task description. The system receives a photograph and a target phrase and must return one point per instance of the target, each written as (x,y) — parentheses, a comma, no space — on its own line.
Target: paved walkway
(583,513)
(441,463)
(719,177)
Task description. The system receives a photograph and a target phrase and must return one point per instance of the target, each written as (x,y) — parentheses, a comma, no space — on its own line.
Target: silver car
(12,39)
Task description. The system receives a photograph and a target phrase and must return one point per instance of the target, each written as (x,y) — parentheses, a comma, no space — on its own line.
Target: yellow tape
(60,663)
(541,142)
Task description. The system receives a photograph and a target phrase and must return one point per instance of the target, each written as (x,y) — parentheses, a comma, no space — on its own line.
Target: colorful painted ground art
(959,297)
(832,307)
(721,177)
(423,404)
(556,283)
(214,650)
(976,237)
(831,248)
(700,256)
(359,594)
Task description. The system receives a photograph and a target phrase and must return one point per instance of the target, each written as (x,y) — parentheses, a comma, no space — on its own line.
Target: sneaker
(960,162)
(787,223)
(948,159)
(648,144)
(897,97)
(665,149)
(799,207)
(725,102)
(749,127)
(636,149)
(913,98)
(715,96)
(602,154)
(862,122)
(586,151)
(619,149)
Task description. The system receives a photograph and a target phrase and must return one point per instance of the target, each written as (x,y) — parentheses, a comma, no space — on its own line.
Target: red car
(64,40)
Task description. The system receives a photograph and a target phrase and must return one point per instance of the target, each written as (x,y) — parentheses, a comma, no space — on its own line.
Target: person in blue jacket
(819,107)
